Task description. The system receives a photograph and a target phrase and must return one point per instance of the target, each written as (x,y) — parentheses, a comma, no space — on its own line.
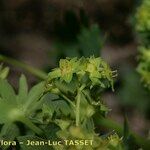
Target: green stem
(141,141)
(68,100)
(38,73)
(78,101)
(28,123)
(78,108)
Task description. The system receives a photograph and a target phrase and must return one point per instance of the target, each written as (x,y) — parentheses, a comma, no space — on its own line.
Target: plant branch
(68,100)
(36,72)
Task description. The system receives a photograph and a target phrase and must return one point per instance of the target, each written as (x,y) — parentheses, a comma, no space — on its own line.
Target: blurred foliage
(131,92)
(144,65)
(142,27)
(70,26)
(62,20)
(142,24)
(87,42)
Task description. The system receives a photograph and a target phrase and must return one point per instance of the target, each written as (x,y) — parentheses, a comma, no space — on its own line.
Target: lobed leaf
(23,90)
(7,93)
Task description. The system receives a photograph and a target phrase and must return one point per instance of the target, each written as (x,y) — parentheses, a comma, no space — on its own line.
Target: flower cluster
(143,17)
(95,69)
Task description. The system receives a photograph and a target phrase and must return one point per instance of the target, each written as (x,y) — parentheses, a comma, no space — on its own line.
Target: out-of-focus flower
(143,17)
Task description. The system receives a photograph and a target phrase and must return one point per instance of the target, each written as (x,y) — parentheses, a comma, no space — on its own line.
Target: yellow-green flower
(95,69)
(98,70)
(66,69)
(114,139)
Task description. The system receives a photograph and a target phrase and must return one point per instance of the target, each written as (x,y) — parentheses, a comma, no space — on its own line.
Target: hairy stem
(38,73)
(78,108)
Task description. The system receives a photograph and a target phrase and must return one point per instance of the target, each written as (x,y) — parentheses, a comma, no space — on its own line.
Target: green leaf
(63,124)
(7,92)
(67,87)
(90,41)
(5,112)
(88,125)
(86,110)
(8,132)
(58,105)
(33,97)
(11,111)
(23,90)
(50,131)
(47,111)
